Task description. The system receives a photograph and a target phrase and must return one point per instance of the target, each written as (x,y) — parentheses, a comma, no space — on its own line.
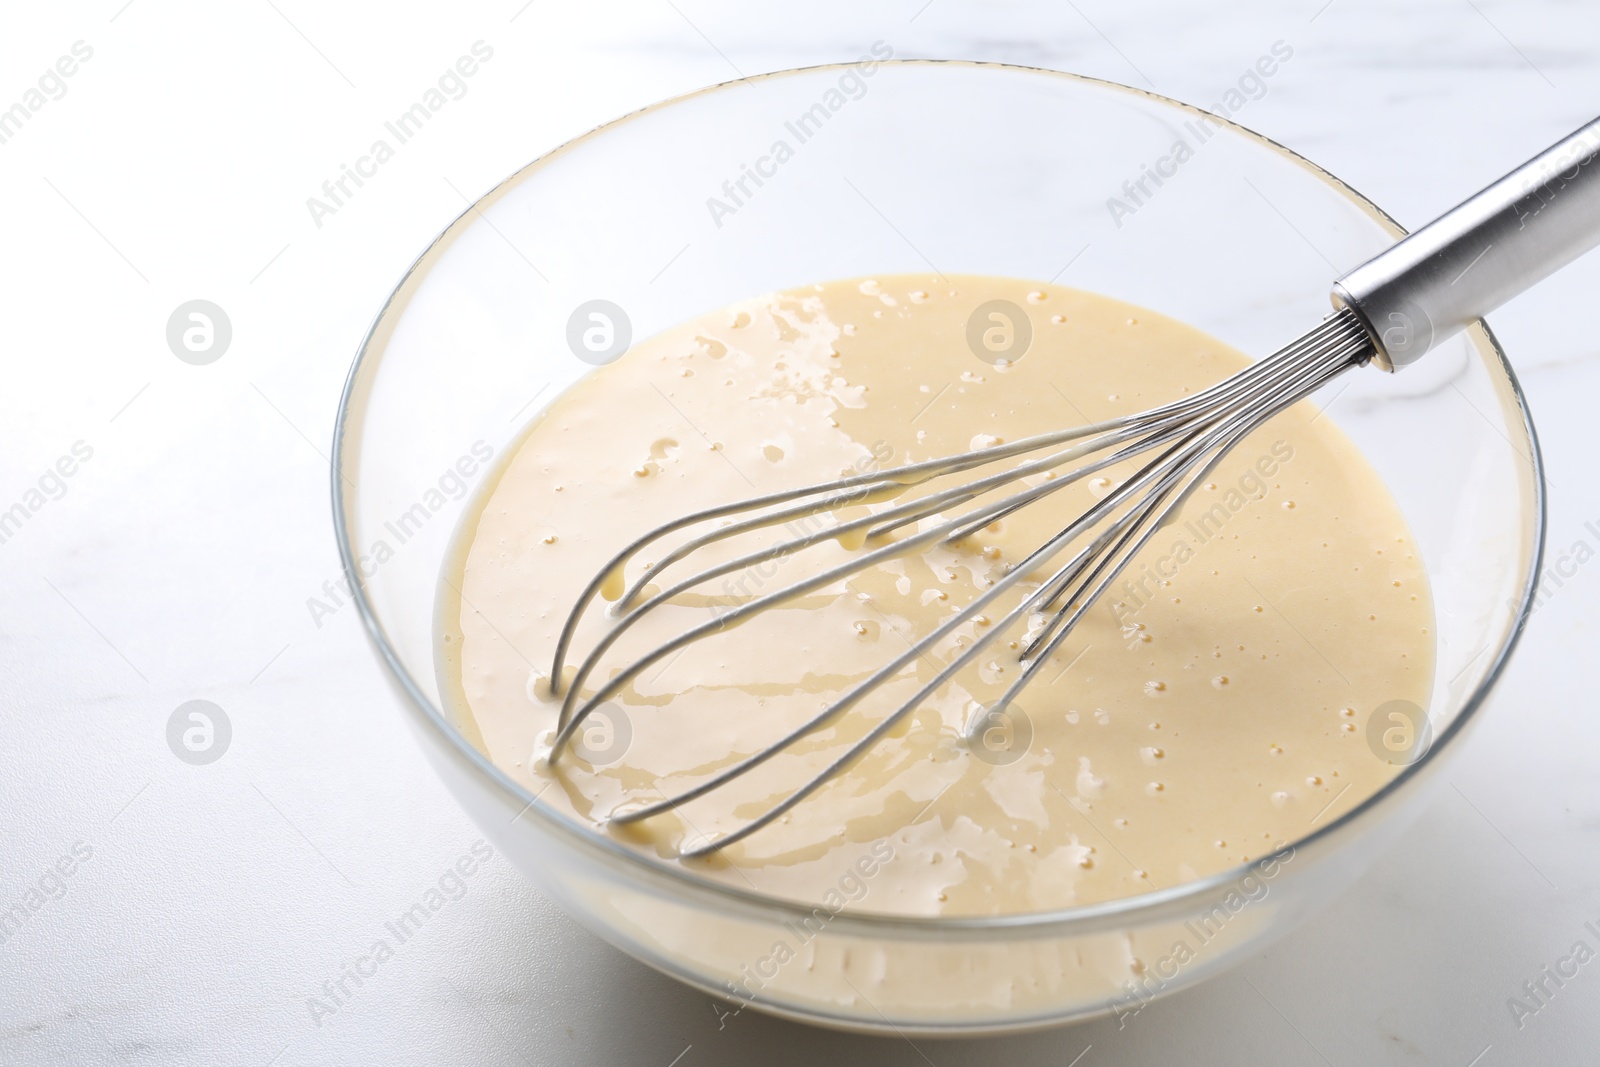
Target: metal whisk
(1391,310)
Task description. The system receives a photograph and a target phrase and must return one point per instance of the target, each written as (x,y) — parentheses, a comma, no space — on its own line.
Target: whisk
(1389,311)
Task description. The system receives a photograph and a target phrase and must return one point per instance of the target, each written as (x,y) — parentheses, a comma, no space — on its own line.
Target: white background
(178,563)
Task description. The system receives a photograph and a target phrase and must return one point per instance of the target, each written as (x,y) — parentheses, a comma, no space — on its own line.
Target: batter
(1211,707)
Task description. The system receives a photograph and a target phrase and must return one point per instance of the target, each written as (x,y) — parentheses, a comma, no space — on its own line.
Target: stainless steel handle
(1481,253)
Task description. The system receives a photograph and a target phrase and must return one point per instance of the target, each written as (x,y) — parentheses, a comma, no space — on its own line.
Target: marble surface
(206,903)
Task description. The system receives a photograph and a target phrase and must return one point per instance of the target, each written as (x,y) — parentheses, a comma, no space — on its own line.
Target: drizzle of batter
(1211,707)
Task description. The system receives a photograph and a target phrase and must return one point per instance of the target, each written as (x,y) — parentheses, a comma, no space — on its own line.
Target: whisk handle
(1481,253)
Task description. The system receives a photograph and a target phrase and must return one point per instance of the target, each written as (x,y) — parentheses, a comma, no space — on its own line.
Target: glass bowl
(892,167)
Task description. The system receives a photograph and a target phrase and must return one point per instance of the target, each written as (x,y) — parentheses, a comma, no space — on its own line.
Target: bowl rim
(1079,918)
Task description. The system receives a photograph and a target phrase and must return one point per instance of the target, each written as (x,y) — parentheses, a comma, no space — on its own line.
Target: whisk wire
(1190,435)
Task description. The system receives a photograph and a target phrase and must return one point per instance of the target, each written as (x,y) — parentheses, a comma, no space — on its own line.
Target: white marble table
(205,904)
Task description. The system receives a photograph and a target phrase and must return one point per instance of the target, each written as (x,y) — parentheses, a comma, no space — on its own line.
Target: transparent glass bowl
(971,168)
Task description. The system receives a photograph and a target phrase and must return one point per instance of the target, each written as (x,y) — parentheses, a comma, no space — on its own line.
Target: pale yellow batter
(1211,708)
